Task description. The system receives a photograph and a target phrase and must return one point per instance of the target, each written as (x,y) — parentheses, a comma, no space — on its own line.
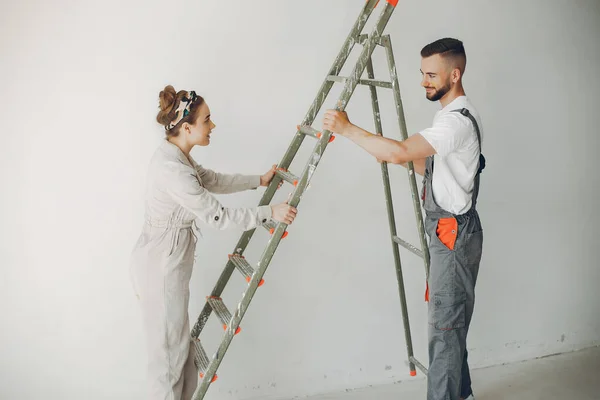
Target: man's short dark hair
(446,46)
(449,48)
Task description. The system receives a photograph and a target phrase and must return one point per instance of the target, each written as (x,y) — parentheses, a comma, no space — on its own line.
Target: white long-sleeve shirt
(179,191)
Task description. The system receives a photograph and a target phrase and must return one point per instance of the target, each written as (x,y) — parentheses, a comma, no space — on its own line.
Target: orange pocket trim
(447,229)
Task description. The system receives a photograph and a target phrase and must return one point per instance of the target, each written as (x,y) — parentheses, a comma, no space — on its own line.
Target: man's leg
(446,348)
(447,300)
(466,390)
(469,257)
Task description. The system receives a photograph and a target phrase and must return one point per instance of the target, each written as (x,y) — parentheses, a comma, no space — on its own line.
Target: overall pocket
(174,241)
(448,310)
(447,231)
(473,247)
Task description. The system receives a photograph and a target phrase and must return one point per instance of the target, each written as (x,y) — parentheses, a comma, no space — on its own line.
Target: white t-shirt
(455,163)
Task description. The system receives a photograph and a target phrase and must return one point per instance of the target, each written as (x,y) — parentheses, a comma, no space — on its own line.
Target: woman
(179,192)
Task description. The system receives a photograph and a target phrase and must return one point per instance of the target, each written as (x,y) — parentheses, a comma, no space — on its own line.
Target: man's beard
(439,93)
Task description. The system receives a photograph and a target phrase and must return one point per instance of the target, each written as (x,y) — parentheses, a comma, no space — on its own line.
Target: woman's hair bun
(168,98)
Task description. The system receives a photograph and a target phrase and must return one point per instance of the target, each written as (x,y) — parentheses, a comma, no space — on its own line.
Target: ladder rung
(271,225)
(310,131)
(335,78)
(373,82)
(287,176)
(201,360)
(368,82)
(407,246)
(244,267)
(363,38)
(222,312)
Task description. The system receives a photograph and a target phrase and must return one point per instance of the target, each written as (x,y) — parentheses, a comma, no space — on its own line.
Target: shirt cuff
(253,182)
(264,214)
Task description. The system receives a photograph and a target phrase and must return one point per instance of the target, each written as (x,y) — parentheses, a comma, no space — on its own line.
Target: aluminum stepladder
(208,366)
(386,42)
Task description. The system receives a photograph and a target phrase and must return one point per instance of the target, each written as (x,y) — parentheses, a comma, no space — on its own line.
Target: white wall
(79,85)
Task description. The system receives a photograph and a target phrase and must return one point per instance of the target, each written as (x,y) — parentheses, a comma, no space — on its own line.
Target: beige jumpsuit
(178,192)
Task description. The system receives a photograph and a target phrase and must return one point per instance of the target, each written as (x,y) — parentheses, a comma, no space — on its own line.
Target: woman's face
(199,132)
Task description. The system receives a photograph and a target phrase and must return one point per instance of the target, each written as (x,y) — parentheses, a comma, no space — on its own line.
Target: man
(448,156)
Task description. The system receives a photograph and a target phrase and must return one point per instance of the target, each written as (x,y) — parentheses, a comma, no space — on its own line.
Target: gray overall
(452,277)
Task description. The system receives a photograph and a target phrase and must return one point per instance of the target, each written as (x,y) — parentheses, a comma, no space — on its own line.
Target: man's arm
(415,148)
(418,165)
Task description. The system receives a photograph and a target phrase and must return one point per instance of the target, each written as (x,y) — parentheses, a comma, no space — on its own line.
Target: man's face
(437,79)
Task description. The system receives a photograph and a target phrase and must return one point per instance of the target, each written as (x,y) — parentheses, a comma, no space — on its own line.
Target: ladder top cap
(394,3)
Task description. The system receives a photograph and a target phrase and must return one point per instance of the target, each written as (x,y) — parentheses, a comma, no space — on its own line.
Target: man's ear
(456,74)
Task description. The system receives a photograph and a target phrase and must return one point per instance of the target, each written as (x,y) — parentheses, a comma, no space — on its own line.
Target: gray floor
(564,377)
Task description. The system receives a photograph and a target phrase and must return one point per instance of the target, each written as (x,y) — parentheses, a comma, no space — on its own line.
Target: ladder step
(368,82)
(335,78)
(244,267)
(407,246)
(363,38)
(287,176)
(310,131)
(222,312)
(271,225)
(201,360)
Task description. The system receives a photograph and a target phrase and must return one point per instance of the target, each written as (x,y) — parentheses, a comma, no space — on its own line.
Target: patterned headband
(183,110)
